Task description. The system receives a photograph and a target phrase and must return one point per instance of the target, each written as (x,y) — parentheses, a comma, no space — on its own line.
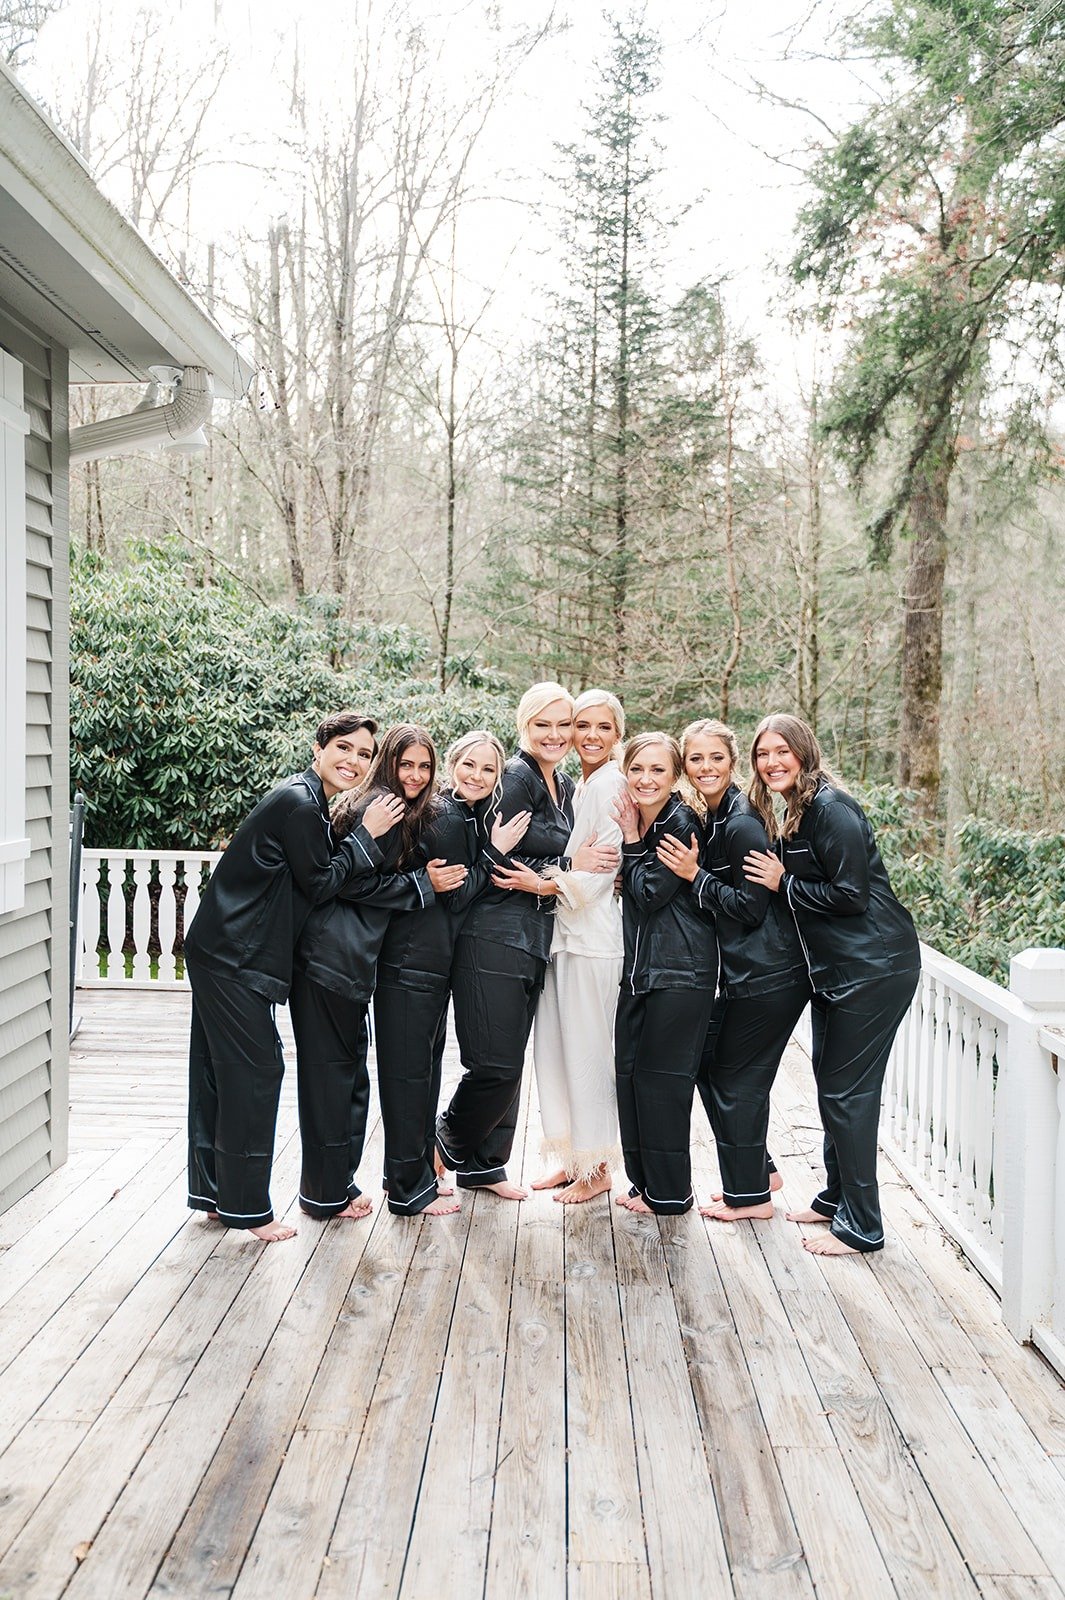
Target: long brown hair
(801,740)
(383,778)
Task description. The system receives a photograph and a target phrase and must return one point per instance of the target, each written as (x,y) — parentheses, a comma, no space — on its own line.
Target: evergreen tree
(583,467)
(941,215)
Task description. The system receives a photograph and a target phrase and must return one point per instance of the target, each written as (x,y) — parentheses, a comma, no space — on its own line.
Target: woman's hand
(505,835)
(383,812)
(628,818)
(523,877)
(592,857)
(680,858)
(444,878)
(761,866)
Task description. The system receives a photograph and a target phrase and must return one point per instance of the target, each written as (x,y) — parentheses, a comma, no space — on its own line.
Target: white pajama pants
(573,1052)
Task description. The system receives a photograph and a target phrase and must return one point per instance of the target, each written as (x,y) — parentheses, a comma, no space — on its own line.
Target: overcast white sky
(735,202)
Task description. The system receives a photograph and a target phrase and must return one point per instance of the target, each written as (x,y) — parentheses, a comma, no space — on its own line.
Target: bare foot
(438,1164)
(212,1216)
(720,1212)
(273,1232)
(635,1202)
(583,1189)
(443,1189)
(441,1207)
(829,1245)
(554,1180)
(505,1190)
(806,1216)
(357,1209)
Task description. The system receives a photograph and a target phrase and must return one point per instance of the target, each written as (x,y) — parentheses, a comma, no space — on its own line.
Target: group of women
(365,882)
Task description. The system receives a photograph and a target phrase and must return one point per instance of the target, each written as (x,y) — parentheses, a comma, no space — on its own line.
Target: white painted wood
(171,865)
(974,1118)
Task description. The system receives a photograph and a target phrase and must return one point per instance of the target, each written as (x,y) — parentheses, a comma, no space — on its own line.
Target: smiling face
(344,761)
(550,733)
(776,763)
(475,773)
(414,769)
(651,777)
(708,763)
(594,736)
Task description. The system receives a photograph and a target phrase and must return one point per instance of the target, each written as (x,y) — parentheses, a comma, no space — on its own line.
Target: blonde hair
(602,697)
(469,741)
(705,728)
(801,740)
(535,700)
(640,741)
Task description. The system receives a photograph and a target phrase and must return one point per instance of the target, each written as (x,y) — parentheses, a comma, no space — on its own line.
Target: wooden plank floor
(516,1401)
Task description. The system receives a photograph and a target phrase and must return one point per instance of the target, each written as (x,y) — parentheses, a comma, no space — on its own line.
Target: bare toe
(441,1208)
(506,1191)
(551,1180)
(273,1232)
(829,1245)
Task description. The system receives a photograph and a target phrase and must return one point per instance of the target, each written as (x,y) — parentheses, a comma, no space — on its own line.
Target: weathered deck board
(536,1399)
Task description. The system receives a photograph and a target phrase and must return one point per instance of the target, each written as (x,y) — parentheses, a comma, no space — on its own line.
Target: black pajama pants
(333,1087)
(853,1031)
(658,1044)
(410,1027)
(494,989)
(235,1072)
(744,1043)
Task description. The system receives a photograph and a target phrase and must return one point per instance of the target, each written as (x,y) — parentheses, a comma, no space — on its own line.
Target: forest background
(719,367)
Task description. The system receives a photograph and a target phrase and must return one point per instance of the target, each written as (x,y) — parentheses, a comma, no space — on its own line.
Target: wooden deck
(519,1401)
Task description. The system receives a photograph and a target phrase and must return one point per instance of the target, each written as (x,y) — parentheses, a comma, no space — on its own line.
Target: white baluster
(89,962)
(968,1022)
(193,870)
(939,1092)
(913,1028)
(142,921)
(952,1091)
(988,1216)
(923,1107)
(167,918)
(116,916)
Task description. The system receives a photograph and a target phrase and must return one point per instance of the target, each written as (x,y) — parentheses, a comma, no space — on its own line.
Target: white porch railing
(134,906)
(974,1119)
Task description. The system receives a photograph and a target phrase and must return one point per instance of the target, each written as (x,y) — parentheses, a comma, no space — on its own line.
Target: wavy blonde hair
(801,740)
(705,728)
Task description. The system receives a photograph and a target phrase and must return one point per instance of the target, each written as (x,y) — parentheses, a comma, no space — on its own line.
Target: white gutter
(149,426)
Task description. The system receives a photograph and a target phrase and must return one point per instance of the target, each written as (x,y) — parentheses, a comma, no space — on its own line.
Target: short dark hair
(340,722)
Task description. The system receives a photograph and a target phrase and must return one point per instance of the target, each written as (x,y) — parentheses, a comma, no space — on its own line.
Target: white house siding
(33,939)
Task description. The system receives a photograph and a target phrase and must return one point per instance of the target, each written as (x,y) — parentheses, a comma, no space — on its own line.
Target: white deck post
(1030,1104)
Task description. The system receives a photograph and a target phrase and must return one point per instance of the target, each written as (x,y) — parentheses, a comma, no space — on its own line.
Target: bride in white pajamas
(573,1040)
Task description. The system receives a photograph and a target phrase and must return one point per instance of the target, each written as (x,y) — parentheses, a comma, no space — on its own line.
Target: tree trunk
(922,638)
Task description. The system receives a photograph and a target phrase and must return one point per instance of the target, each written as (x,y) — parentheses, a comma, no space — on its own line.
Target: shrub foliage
(190,700)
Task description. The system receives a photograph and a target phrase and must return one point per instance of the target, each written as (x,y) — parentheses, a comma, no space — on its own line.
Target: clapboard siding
(29,1080)
(31,928)
(33,980)
(31,1023)
(26,1165)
